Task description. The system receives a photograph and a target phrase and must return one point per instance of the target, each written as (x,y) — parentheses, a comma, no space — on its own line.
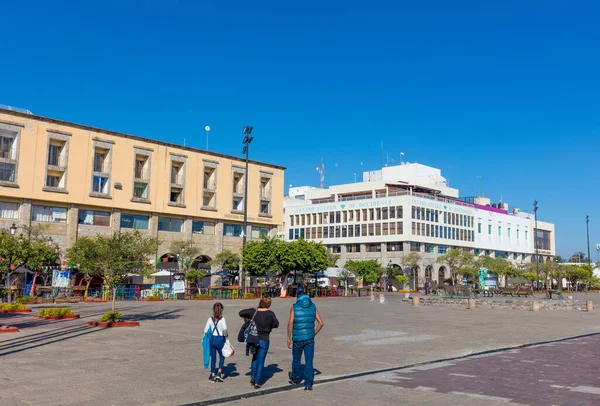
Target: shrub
(111,317)
(248,296)
(27,299)
(153,297)
(16,306)
(202,296)
(59,311)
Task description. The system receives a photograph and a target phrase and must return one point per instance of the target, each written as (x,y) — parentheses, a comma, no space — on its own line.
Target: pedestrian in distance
(265,321)
(301,339)
(218,326)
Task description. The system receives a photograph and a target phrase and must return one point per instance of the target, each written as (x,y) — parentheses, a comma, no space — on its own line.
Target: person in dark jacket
(302,332)
(265,321)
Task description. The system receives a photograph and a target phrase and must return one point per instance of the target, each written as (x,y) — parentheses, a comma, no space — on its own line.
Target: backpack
(249,332)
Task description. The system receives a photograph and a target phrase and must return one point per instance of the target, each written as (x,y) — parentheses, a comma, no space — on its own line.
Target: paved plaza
(368,352)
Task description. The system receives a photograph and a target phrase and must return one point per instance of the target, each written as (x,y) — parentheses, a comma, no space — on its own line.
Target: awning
(168,266)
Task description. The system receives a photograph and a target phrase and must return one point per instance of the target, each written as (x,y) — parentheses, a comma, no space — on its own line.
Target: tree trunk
(87,287)
(114,298)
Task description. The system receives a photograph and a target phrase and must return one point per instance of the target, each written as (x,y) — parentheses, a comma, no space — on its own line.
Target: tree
(333,259)
(84,253)
(402,279)
(457,262)
(185,250)
(261,257)
(574,274)
(117,255)
(193,276)
(410,262)
(30,251)
(228,261)
(344,276)
(500,267)
(369,270)
(559,259)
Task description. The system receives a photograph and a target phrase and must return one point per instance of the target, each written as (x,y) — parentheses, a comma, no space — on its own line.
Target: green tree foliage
(458,263)
(228,261)
(84,254)
(500,267)
(115,256)
(269,256)
(194,276)
(573,273)
(30,250)
(344,276)
(410,263)
(333,259)
(185,250)
(369,270)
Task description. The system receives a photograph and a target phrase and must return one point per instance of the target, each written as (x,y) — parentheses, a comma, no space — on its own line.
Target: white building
(405,208)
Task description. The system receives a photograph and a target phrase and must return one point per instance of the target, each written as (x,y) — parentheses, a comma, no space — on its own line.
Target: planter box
(152,300)
(203,298)
(114,324)
(16,311)
(70,316)
(6,329)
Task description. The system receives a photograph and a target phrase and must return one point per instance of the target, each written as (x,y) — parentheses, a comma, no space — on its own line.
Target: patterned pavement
(559,373)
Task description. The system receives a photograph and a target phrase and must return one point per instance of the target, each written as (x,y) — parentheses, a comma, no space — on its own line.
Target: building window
(542,239)
(442,249)
(430,248)
(9,210)
(209,186)
(490,229)
(526,235)
(177,181)
(235,230)
(101,169)
(94,218)
(352,248)
(135,222)
(47,214)
(479,228)
(508,232)
(357,230)
(395,246)
(237,204)
(291,234)
(517,233)
(375,247)
(203,227)
(141,175)
(8,156)
(415,246)
(56,165)
(499,231)
(258,232)
(170,224)
(238,189)
(335,249)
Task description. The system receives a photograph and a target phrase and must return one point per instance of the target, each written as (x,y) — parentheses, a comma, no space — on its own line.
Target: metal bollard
(415,300)
(381,298)
(589,305)
(471,304)
(407,295)
(535,306)
(372,298)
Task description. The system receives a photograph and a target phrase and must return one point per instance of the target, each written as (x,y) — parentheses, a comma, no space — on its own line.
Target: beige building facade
(76,180)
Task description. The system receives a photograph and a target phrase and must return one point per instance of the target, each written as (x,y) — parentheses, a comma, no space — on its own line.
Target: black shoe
(211,378)
(219,377)
(252,382)
(257,386)
(293,381)
(307,388)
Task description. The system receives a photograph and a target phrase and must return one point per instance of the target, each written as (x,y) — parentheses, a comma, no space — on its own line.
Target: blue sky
(506,90)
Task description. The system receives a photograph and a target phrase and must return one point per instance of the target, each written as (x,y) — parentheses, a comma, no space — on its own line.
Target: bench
(524,291)
(555,292)
(509,290)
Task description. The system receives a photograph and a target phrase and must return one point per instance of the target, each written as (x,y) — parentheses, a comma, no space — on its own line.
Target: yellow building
(78,180)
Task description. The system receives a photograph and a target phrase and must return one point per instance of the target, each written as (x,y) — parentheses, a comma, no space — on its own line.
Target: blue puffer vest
(305,313)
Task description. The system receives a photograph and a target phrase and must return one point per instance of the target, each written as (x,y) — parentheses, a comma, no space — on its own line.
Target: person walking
(301,338)
(217,340)
(265,321)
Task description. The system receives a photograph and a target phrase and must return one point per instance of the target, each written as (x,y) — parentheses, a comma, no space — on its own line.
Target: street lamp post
(587,226)
(246,131)
(390,267)
(535,243)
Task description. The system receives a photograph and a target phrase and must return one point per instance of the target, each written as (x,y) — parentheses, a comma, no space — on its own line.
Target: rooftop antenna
(321,170)
(207,128)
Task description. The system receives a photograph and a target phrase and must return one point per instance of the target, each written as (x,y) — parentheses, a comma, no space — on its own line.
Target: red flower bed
(203,298)
(114,324)
(16,311)
(71,316)
(6,329)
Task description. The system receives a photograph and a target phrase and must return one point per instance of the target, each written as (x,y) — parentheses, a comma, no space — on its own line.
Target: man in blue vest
(301,338)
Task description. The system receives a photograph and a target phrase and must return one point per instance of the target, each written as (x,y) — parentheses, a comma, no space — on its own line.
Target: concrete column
(589,305)
(72,225)
(116,220)
(415,300)
(187,229)
(219,235)
(25,213)
(363,249)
